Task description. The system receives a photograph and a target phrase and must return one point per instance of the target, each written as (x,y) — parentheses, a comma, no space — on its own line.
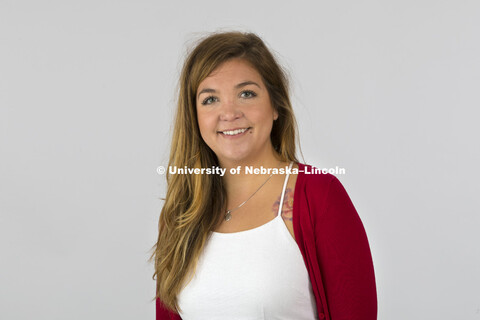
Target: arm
(163,313)
(345,259)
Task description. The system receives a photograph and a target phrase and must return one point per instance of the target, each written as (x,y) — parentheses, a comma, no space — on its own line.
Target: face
(234,112)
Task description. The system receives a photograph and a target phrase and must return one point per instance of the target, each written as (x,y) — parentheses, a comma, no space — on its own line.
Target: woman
(279,244)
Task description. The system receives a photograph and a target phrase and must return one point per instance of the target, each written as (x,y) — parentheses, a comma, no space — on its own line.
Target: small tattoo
(287,208)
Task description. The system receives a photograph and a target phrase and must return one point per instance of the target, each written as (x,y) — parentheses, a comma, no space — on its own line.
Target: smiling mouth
(234,132)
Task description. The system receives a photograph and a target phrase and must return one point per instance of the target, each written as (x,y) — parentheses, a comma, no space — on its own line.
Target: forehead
(231,72)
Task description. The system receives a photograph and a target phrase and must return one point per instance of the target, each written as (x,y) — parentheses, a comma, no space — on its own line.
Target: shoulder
(313,180)
(317,190)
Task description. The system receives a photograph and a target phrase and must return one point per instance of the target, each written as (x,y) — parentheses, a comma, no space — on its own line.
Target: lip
(220,131)
(235,136)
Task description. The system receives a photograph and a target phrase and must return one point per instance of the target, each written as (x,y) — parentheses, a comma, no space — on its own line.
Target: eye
(208,100)
(248,93)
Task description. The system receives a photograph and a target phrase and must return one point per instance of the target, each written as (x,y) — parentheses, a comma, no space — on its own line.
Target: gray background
(387,90)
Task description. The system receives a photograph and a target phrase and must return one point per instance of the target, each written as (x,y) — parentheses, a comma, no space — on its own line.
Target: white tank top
(253,274)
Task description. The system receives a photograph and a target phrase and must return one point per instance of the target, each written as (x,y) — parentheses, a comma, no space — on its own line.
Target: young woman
(276,243)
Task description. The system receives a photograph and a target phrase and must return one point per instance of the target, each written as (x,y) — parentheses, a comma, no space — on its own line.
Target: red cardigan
(334,246)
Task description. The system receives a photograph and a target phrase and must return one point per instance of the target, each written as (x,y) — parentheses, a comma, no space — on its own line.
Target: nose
(230,111)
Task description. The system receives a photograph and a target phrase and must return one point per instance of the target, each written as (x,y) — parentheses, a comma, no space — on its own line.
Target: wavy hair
(190,212)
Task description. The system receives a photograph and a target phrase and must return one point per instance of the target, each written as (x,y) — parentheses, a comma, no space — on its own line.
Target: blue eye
(208,100)
(250,94)
(247,94)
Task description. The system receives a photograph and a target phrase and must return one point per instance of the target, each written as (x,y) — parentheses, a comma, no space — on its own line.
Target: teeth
(234,132)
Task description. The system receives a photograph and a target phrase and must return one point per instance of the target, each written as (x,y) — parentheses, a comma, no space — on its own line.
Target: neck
(243,184)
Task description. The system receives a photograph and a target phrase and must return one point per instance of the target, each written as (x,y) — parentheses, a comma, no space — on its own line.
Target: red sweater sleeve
(165,314)
(345,258)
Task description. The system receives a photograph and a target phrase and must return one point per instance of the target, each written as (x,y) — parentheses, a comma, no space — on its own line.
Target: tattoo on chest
(287,208)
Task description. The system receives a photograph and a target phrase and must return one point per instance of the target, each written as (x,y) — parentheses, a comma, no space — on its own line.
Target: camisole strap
(284,187)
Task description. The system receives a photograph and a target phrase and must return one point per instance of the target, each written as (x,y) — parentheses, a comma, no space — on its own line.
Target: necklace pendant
(228,216)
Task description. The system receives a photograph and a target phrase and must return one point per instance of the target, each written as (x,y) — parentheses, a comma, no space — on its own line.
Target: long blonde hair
(190,211)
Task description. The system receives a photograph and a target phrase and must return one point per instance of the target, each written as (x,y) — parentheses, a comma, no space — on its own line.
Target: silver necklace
(228,214)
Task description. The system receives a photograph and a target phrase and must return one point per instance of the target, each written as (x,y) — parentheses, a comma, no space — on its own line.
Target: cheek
(205,125)
(265,118)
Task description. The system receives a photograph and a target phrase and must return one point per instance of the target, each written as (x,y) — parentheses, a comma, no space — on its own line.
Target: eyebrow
(242,84)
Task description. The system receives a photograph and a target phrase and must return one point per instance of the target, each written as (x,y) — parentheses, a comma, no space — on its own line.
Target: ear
(275,114)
